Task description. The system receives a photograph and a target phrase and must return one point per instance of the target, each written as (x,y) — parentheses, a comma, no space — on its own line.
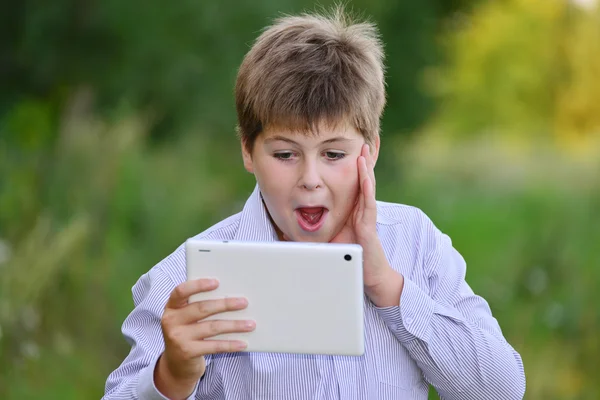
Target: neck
(280,235)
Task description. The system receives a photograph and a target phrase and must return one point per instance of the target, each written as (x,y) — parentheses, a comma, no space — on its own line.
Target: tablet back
(304,297)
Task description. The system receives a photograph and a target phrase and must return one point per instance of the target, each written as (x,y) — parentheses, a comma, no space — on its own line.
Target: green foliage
(523,67)
(178,62)
(103,211)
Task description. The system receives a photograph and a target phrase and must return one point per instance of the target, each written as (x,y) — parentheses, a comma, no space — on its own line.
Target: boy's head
(309,94)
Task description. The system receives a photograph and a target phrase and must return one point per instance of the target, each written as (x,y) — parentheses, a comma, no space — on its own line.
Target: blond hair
(309,69)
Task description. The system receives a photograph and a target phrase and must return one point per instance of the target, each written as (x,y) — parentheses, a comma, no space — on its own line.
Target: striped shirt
(441,333)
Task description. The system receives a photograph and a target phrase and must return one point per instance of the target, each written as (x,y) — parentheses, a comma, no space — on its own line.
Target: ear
(247,156)
(375,149)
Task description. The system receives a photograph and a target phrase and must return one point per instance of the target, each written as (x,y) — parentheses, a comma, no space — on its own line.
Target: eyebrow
(285,139)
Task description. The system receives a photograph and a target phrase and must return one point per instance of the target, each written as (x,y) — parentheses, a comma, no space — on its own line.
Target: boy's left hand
(383,285)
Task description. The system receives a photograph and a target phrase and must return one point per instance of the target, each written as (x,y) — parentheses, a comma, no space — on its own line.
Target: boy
(309,96)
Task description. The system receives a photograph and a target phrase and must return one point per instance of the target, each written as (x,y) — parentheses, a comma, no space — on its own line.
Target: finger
(190,348)
(180,295)
(208,329)
(370,207)
(210,346)
(369,204)
(186,339)
(199,310)
(363,171)
(362,175)
(360,179)
(371,166)
(372,182)
(360,208)
(364,151)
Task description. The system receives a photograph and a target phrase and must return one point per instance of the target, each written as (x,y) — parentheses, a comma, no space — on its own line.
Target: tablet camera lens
(347,257)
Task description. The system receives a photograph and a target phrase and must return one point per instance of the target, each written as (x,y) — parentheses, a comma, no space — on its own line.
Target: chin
(317,237)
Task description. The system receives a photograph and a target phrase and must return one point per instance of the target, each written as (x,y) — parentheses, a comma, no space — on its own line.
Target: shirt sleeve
(134,378)
(450,331)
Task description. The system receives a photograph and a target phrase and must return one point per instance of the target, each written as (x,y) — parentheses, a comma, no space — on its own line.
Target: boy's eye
(334,155)
(284,155)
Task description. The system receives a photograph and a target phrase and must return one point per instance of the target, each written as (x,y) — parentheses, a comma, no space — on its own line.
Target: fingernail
(241,345)
(250,324)
(241,302)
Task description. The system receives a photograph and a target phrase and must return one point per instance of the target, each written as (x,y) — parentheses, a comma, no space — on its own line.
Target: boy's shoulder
(223,230)
(400,214)
(410,238)
(405,225)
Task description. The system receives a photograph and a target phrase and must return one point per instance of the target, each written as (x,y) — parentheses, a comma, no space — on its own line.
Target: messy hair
(311,69)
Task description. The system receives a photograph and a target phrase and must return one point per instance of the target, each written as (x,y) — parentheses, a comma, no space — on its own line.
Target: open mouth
(311,219)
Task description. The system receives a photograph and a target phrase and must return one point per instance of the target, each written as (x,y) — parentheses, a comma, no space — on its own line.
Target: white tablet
(305,297)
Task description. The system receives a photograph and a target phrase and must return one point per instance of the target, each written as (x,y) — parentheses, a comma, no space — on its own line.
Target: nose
(310,178)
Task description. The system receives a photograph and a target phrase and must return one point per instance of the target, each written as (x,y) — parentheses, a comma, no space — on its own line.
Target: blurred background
(117,143)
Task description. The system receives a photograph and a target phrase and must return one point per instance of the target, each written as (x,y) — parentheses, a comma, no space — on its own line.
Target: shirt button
(408,321)
(394,327)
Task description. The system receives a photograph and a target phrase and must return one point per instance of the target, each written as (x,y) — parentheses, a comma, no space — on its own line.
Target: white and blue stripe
(441,333)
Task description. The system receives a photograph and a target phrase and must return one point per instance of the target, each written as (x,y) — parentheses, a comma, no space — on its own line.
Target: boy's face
(309,183)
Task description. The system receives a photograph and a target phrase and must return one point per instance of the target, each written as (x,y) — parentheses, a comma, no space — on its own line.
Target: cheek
(274,180)
(351,169)
(346,186)
(270,173)
(349,175)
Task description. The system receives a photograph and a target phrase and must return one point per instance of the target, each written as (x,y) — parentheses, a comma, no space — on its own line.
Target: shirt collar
(255,224)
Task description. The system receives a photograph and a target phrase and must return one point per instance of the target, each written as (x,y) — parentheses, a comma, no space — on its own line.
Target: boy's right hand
(182,363)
